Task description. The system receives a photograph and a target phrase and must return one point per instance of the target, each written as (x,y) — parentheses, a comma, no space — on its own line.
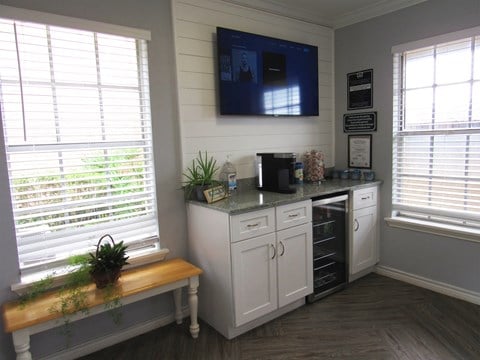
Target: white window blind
(75,110)
(436,133)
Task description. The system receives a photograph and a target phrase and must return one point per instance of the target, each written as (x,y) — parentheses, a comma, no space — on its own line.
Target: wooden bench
(134,285)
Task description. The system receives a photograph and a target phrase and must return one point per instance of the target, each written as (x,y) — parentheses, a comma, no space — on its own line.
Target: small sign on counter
(214,194)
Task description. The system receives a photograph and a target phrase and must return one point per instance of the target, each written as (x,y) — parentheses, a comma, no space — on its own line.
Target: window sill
(59,280)
(457,232)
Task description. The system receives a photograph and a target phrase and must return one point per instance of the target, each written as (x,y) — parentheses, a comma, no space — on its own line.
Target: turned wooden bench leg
(21,342)
(193,305)
(177,299)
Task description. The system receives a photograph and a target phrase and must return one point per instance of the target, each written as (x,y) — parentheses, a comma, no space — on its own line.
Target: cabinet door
(295,263)
(254,278)
(364,242)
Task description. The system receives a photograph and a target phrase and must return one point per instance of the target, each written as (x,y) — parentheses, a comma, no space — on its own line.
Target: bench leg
(177,299)
(193,305)
(21,342)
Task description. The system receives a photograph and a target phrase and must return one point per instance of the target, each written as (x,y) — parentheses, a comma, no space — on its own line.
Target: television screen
(260,75)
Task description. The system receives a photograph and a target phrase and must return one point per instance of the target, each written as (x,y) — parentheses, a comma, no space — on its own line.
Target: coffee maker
(276,172)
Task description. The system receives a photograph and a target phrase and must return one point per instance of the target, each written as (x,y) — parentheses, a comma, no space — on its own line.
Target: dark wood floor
(374,318)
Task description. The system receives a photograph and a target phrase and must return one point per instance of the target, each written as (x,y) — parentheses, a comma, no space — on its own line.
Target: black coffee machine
(276,172)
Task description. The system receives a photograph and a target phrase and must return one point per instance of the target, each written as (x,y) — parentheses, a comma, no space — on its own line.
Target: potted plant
(107,262)
(103,267)
(200,176)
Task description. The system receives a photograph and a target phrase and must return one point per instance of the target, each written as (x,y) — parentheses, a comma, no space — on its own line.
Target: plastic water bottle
(228,175)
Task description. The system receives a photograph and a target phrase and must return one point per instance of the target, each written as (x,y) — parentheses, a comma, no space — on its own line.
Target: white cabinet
(257,265)
(294,263)
(363,242)
(272,270)
(254,274)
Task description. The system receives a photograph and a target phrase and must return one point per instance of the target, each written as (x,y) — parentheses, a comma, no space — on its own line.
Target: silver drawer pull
(293,215)
(253,225)
(366,198)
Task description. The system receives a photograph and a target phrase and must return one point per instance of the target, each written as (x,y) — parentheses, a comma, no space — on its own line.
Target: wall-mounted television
(261,75)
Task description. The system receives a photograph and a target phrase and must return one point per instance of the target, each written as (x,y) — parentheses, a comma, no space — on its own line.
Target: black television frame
(294,65)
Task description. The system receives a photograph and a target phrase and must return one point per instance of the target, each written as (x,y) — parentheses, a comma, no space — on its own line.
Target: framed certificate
(360,151)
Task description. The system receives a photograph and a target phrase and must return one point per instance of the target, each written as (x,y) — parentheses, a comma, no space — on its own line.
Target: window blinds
(76,119)
(436,138)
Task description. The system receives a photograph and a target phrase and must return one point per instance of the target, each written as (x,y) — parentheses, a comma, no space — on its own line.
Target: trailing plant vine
(72,295)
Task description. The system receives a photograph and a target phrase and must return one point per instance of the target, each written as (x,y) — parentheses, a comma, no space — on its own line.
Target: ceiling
(330,13)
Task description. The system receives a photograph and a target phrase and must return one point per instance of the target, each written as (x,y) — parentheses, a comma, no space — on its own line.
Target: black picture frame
(360,151)
(360,90)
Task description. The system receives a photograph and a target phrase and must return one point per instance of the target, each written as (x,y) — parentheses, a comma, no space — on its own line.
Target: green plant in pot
(103,267)
(200,176)
(107,262)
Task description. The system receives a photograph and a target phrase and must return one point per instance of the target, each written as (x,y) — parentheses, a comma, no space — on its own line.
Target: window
(75,111)
(436,132)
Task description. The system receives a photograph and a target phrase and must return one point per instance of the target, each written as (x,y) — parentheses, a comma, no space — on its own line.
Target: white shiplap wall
(201,126)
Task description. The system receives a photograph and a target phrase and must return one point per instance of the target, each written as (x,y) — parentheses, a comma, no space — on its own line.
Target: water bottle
(228,175)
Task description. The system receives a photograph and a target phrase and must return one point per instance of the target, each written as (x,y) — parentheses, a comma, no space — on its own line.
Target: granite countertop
(253,199)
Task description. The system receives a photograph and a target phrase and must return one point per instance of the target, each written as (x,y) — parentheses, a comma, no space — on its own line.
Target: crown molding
(290,10)
(368,12)
(280,8)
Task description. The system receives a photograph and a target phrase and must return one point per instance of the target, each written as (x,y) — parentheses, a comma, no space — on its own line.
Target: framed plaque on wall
(360,151)
(360,90)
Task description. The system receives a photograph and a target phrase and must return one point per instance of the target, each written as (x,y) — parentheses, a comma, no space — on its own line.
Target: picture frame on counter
(214,194)
(360,90)
(360,151)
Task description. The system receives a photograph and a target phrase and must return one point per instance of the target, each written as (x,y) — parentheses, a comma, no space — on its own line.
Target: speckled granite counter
(253,199)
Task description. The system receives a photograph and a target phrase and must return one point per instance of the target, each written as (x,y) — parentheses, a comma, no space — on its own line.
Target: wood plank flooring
(374,318)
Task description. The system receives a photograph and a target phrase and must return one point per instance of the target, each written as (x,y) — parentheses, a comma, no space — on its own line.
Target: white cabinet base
(233,332)
(363,237)
(249,264)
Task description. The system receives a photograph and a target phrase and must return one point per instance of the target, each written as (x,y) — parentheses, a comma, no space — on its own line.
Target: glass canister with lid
(314,166)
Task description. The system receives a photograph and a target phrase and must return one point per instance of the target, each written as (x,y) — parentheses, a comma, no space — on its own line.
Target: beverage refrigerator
(330,252)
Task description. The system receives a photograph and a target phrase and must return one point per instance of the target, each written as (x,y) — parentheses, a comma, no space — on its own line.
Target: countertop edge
(253,199)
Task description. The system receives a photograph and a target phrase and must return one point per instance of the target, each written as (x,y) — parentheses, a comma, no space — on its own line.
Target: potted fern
(107,262)
(200,176)
(103,267)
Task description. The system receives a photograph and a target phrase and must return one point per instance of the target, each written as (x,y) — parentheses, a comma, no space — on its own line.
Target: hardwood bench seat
(134,285)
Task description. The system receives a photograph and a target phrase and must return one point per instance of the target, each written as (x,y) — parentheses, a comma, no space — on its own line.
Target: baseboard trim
(115,338)
(437,286)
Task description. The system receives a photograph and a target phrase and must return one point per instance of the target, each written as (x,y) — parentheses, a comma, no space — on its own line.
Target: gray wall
(368,45)
(153,15)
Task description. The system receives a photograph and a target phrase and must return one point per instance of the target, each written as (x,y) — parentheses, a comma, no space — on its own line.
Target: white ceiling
(331,13)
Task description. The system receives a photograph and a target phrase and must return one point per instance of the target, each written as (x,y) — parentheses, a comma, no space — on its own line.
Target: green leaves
(202,170)
(108,257)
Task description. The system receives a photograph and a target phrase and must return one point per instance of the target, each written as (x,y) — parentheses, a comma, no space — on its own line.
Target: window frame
(411,221)
(17,14)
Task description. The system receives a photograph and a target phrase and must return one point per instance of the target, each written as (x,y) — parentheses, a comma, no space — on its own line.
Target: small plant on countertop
(200,174)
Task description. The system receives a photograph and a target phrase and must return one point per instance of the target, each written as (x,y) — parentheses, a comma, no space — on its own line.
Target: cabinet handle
(293,215)
(253,225)
(274,251)
(357,225)
(366,198)
(283,249)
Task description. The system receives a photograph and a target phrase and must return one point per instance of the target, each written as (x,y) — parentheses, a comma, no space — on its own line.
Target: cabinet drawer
(365,197)
(293,214)
(251,224)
